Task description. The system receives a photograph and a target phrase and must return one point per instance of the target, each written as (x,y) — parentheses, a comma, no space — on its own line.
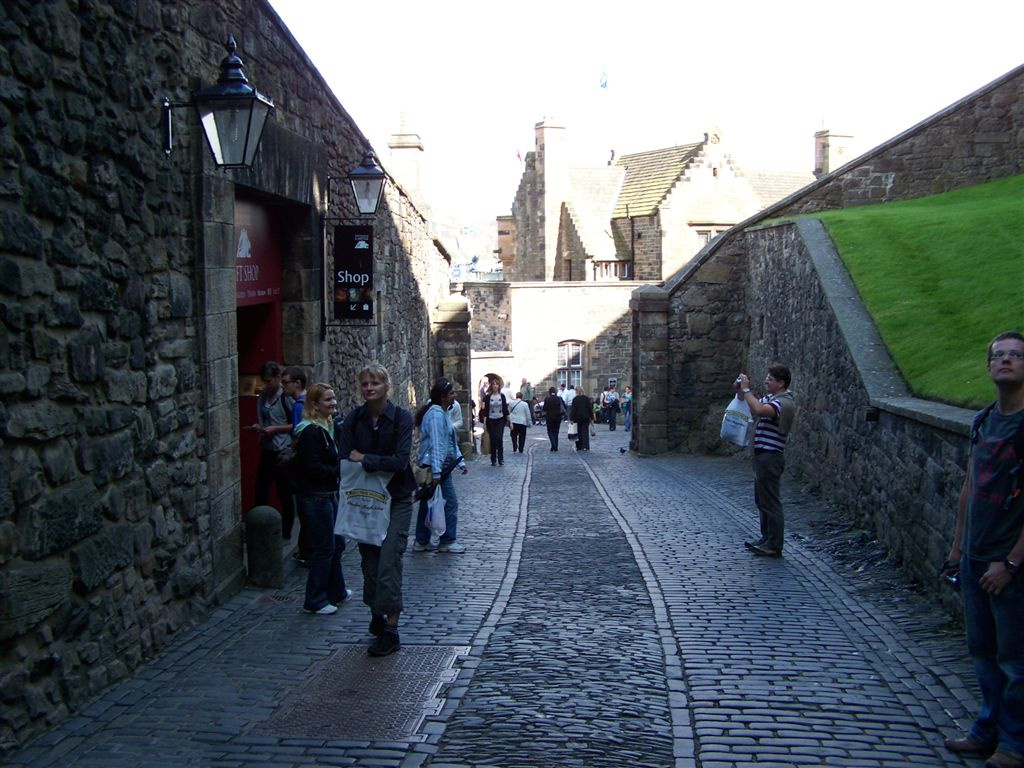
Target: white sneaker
(327,610)
(453,548)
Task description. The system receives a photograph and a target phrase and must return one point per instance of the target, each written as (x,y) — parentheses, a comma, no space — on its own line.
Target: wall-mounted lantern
(367,180)
(232,113)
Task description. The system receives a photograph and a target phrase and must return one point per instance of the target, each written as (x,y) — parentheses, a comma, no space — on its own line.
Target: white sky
(472,78)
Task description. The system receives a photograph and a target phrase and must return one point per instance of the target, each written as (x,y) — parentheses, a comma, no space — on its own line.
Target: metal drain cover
(356,696)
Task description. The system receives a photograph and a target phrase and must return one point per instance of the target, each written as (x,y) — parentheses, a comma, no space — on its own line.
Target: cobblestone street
(606,613)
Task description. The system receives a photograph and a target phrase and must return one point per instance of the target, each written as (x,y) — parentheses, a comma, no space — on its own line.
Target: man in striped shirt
(774,413)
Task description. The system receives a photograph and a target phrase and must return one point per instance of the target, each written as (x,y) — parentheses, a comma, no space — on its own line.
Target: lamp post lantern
(232,113)
(367,180)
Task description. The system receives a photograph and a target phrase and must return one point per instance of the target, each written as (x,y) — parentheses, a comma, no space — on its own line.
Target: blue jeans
(451,511)
(995,642)
(325,583)
(627,416)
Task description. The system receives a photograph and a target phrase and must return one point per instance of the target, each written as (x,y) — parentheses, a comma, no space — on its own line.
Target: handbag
(364,504)
(435,513)
(574,430)
(737,422)
(593,430)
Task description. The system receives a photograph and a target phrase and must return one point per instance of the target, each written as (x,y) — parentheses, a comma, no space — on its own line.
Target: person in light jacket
(439,450)
(519,416)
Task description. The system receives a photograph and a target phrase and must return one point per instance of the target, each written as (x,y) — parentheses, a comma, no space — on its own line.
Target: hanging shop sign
(353,273)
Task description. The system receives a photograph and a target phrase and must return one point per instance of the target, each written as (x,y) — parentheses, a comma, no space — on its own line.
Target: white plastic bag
(364,504)
(737,423)
(435,512)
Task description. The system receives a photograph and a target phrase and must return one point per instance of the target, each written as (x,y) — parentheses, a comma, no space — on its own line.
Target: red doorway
(259,323)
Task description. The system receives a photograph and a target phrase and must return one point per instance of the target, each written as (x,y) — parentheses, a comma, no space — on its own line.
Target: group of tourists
(303,444)
(499,410)
(988,540)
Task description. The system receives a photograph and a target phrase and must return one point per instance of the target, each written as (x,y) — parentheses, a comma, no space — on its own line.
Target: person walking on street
(554,408)
(774,412)
(527,389)
(317,476)
(582,413)
(494,415)
(439,450)
(378,435)
(988,549)
(612,400)
(294,382)
(627,407)
(519,416)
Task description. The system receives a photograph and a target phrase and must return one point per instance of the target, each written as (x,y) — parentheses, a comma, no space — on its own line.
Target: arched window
(570,363)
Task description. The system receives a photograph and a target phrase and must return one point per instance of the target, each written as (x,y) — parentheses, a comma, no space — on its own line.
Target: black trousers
(553,427)
(518,437)
(496,432)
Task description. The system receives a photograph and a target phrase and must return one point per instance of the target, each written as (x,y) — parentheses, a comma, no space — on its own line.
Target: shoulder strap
(979,420)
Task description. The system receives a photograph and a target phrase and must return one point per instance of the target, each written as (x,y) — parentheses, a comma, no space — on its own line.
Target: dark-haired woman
(439,450)
(316,479)
(378,435)
(494,414)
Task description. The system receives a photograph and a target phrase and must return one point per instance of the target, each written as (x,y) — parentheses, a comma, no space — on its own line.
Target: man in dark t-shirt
(988,544)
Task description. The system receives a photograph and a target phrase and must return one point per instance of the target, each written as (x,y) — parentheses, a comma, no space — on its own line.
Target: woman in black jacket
(316,479)
(378,435)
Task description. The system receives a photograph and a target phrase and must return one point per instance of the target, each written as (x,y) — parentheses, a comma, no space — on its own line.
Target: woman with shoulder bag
(439,452)
(316,479)
(519,416)
(378,435)
(494,413)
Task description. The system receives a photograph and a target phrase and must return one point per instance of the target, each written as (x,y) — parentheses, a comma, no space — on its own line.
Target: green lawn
(941,276)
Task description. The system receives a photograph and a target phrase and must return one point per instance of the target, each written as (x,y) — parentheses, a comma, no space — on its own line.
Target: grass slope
(941,276)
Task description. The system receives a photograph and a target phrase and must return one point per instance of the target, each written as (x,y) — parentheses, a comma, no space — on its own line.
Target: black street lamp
(367,180)
(232,113)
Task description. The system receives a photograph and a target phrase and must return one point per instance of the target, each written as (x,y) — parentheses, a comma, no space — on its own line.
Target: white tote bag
(737,422)
(364,504)
(435,512)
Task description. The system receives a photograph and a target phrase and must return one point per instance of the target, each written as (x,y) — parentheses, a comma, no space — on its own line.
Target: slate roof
(771,186)
(591,197)
(649,178)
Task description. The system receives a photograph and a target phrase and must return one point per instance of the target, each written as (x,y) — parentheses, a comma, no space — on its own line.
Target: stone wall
(639,239)
(979,138)
(491,303)
(120,520)
(860,439)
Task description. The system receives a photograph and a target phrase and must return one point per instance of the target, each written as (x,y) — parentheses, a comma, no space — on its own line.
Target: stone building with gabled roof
(580,239)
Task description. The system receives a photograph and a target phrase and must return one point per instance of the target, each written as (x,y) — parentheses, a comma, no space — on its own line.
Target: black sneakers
(387,643)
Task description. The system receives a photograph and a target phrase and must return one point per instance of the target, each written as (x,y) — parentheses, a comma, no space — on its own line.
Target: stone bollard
(263,547)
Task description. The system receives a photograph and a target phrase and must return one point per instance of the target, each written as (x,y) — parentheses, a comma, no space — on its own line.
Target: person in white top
(568,395)
(519,415)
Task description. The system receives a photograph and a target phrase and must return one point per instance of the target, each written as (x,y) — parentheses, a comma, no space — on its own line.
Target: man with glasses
(988,548)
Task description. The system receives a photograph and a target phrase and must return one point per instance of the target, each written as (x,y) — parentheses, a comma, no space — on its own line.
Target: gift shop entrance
(259,301)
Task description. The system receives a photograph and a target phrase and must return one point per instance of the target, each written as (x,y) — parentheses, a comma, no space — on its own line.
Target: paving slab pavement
(605,614)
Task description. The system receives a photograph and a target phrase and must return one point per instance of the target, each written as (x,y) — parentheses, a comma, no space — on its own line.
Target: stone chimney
(553,173)
(831,150)
(406,164)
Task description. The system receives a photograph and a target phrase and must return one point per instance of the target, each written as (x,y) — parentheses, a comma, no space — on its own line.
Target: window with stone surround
(570,363)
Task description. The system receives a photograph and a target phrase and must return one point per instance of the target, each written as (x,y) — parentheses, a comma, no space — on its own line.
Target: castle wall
(120,465)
